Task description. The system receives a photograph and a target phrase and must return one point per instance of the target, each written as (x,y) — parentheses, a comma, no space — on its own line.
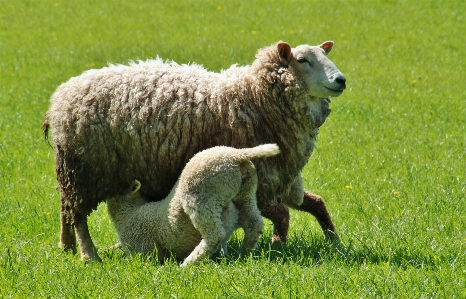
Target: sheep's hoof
(276,239)
(87,259)
(66,248)
(332,236)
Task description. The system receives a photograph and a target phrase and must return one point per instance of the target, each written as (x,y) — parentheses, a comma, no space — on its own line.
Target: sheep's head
(311,66)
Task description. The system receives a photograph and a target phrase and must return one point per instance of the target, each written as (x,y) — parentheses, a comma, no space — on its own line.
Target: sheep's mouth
(339,91)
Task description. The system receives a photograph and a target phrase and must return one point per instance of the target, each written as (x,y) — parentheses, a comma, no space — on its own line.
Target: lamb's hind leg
(207,221)
(88,250)
(212,238)
(250,220)
(230,223)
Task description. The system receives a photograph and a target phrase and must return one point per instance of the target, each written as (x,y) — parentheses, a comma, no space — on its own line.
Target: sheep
(145,120)
(215,193)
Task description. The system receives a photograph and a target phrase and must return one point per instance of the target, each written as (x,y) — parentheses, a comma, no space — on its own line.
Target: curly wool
(146,120)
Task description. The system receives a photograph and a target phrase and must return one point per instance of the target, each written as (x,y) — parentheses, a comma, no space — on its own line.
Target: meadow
(390,160)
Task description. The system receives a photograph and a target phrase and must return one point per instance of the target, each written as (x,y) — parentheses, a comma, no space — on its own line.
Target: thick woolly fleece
(146,120)
(201,211)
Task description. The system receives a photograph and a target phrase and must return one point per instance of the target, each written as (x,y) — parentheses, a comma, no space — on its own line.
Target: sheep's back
(121,123)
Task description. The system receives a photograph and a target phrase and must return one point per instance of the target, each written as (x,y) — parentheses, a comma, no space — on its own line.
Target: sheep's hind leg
(67,234)
(88,250)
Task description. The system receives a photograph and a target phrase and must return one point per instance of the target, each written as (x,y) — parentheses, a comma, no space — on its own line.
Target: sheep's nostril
(341,80)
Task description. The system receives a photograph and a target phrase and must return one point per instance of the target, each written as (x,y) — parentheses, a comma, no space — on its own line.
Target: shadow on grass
(317,250)
(313,251)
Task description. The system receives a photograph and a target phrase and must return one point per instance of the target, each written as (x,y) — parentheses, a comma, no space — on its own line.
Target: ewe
(146,120)
(216,193)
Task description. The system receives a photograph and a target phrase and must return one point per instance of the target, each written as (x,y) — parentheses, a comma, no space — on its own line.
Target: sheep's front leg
(315,205)
(280,216)
(88,250)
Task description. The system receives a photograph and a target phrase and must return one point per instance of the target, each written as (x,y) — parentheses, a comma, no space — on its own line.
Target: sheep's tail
(261,151)
(46,127)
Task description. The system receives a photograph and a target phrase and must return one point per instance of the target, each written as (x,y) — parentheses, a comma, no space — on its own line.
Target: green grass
(390,160)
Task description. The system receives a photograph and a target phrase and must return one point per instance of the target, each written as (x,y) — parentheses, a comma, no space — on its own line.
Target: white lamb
(215,194)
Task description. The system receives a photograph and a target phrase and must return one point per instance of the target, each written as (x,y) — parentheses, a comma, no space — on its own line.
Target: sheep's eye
(304,60)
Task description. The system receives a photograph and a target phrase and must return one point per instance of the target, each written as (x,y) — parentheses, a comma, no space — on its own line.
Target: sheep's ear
(284,51)
(327,47)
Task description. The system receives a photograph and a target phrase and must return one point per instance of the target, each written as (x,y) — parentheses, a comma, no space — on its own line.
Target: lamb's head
(119,207)
(311,66)
(131,195)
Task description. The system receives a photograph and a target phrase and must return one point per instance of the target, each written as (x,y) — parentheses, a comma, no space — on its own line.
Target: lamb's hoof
(221,252)
(245,251)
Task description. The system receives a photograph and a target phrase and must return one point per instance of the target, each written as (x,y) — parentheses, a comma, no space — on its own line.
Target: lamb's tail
(260,151)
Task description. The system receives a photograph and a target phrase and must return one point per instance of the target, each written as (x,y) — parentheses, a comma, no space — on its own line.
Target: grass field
(390,160)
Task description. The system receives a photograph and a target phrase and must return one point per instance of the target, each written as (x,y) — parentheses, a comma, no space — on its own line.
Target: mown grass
(390,160)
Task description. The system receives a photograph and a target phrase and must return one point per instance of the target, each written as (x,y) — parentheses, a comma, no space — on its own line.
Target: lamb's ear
(135,186)
(284,51)
(327,47)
